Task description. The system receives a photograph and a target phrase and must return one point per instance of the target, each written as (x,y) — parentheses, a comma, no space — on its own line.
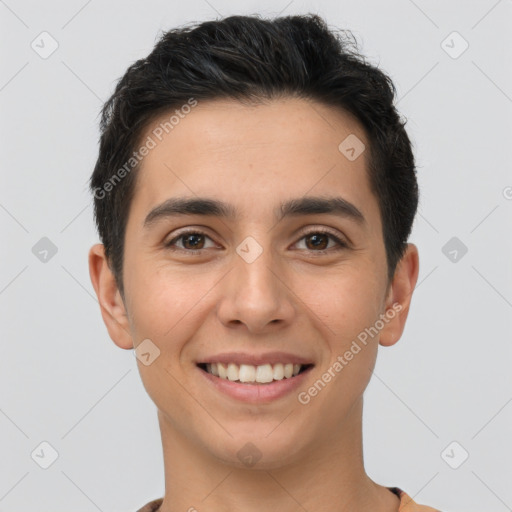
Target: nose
(257,295)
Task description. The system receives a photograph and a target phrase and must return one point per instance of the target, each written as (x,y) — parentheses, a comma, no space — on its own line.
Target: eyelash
(341,244)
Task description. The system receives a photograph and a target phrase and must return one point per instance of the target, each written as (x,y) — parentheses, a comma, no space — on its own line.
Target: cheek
(169,304)
(166,308)
(349,307)
(346,303)
(347,314)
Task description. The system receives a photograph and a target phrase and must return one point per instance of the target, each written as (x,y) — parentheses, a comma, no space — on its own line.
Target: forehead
(221,125)
(257,154)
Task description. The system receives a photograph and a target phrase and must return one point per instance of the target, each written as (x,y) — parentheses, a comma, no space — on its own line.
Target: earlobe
(112,307)
(399,296)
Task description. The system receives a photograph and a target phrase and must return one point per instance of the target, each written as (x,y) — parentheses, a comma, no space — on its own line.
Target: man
(254,192)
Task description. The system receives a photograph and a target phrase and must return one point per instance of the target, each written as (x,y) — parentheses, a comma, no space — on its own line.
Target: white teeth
(279,371)
(221,370)
(233,371)
(247,373)
(288,370)
(262,374)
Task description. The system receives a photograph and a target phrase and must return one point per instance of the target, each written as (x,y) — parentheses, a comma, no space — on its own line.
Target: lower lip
(257,393)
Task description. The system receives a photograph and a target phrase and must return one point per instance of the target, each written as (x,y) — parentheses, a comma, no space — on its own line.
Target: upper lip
(255,359)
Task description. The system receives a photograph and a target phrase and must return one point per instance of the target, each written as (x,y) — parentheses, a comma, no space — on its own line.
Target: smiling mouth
(250,374)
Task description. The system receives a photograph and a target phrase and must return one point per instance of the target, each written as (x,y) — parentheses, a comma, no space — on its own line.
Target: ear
(398,299)
(112,306)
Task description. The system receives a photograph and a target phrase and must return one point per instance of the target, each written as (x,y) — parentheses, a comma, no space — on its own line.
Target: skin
(289,299)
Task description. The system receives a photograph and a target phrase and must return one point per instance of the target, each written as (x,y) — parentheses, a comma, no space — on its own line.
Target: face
(256,278)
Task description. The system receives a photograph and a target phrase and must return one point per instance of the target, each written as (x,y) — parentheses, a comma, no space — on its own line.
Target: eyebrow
(308,205)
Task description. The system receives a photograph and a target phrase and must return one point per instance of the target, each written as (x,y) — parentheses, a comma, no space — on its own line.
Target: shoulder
(407,504)
(152,506)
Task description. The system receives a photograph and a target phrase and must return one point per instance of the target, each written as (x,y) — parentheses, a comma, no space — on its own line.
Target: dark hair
(250,59)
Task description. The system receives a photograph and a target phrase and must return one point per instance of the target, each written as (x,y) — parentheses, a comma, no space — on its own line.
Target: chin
(261,449)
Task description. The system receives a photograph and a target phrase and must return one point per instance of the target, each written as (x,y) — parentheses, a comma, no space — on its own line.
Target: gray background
(62,379)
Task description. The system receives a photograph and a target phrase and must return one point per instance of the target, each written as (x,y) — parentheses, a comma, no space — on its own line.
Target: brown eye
(188,241)
(318,241)
(193,241)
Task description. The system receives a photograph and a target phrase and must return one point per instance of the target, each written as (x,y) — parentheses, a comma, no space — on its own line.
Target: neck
(330,476)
